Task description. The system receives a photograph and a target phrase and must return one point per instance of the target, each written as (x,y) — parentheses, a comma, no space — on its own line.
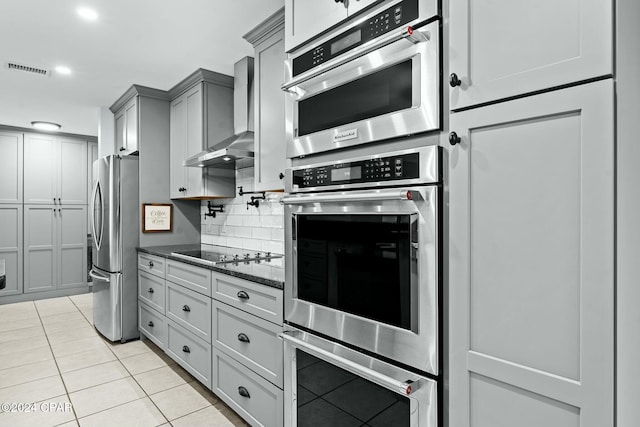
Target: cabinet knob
(243,338)
(181,189)
(243,391)
(454,138)
(454,80)
(281,175)
(186,308)
(243,295)
(150,264)
(186,349)
(150,324)
(123,149)
(151,290)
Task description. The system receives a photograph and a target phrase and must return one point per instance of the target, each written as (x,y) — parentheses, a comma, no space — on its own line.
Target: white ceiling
(154,43)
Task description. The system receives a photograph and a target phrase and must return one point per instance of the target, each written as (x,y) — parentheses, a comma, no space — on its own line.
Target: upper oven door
(389,92)
(363,269)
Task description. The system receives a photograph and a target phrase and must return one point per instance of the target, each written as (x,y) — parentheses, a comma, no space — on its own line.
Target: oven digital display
(346,41)
(346,174)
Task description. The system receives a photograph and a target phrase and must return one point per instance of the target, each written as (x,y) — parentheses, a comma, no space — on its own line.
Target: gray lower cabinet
(10,249)
(55,247)
(221,329)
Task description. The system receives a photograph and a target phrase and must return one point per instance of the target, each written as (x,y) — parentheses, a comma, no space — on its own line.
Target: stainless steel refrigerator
(114,227)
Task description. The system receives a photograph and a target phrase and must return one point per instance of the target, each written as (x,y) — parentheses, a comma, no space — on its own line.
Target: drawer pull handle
(243,392)
(150,324)
(186,349)
(186,308)
(150,264)
(243,295)
(151,290)
(243,337)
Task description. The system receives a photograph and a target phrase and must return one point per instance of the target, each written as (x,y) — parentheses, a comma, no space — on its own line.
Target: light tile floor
(56,370)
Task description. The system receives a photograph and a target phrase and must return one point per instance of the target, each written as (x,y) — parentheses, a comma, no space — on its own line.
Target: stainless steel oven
(375,78)
(328,384)
(362,244)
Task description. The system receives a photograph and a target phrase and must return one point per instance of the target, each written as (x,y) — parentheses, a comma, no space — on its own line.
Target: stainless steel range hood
(240,145)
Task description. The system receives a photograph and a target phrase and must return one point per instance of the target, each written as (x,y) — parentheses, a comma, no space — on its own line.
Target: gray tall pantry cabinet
(531,248)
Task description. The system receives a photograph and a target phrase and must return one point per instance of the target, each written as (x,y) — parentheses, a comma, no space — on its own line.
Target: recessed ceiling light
(88,14)
(46,125)
(61,69)
(226,158)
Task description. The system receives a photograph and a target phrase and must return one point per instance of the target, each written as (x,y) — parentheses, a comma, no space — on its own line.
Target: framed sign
(157,217)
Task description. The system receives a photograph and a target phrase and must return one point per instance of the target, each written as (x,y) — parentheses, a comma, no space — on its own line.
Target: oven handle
(414,36)
(404,387)
(354,197)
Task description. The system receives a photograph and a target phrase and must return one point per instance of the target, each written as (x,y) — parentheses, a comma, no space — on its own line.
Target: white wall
(254,229)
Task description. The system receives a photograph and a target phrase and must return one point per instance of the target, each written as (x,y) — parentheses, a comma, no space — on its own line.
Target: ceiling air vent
(28,69)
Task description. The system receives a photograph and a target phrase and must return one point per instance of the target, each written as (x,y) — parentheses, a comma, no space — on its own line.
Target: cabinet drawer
(152,264)
(261,300)
(249,339)
(195,278)
(191,352)
(151,290)
(153,325)
(190,310)
(257,400)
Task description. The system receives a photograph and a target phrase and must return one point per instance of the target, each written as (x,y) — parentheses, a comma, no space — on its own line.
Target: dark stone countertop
(266,273)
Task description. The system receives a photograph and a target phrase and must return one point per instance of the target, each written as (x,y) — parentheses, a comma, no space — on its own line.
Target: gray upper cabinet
(504,49)
(305,19)
(531,256)
(126,127)
(270,158)
(201,115)
(55,170)
(11,152)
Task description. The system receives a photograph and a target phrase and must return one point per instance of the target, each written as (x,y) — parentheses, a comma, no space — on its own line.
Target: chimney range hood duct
(240,145)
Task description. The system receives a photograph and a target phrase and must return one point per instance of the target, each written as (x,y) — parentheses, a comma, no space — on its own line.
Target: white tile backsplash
(253,229)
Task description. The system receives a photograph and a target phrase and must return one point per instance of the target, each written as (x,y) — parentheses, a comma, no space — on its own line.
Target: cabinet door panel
(120,132)
(531,260)
(39,248)
(73,172)
(177,148)
(194,141)
(72,246)
(11,167)
(270,158)
(131,126)
(40,168)
(507,48)
(305,19)
(11,248)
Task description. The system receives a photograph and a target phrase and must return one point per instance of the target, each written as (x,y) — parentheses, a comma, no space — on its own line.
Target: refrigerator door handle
(97,276)
(97,238)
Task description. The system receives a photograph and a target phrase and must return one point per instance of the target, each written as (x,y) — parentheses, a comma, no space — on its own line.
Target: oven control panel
(387,20)
(372,170)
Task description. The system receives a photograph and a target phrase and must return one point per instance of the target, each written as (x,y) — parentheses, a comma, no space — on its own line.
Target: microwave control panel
(375,169)
(389,19)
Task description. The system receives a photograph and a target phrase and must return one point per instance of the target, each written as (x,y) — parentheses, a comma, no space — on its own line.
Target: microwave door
(106,215)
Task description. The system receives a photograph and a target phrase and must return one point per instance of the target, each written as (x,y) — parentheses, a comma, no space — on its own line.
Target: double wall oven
(363,288)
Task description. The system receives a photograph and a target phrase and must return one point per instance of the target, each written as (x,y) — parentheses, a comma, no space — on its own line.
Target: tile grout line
(56,362)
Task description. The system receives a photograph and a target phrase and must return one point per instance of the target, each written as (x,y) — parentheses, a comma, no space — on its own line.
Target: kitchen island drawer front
(190,310)
(261,300)
(249,339)
(195,278)
(258,401)
(151,290)
(152,264)
(153,325)
(191,352)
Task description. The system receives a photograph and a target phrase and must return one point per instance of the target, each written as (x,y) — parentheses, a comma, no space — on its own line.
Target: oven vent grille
(28,69)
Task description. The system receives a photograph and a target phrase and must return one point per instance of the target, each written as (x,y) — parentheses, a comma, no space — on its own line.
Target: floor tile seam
(98,384)
(126,403)
(193,412)
(55,361)
(87,366)
(27,382)
(81,312)
(25,364)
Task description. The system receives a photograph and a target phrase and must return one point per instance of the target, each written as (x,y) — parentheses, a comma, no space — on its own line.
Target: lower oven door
(363,269)
(327,384)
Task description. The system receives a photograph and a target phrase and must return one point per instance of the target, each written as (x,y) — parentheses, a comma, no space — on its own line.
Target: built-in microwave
(375,78)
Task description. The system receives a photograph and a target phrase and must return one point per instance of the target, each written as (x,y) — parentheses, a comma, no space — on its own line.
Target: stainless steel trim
(393,378)
(356,53)
(97,276)
(373,195)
